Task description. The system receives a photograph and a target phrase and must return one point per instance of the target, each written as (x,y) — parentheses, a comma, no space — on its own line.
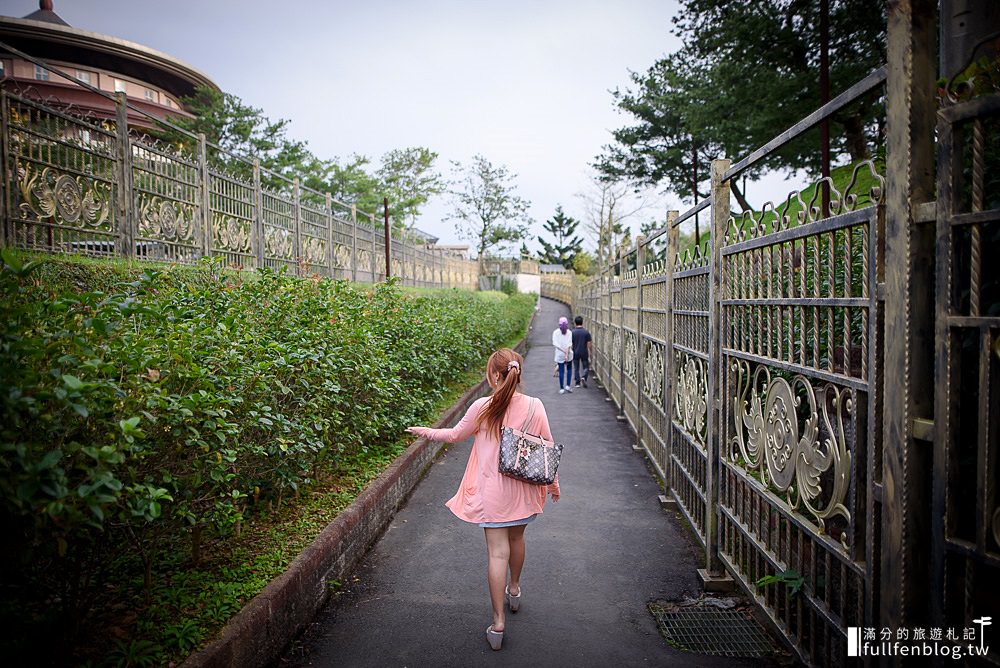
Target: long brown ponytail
(507,364)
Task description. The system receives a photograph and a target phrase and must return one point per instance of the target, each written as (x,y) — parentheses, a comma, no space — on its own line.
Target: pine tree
(565,246)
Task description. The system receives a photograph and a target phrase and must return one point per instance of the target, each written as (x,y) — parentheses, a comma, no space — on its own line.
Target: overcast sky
(524,83)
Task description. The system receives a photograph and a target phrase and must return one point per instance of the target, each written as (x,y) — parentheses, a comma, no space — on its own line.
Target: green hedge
(167,405)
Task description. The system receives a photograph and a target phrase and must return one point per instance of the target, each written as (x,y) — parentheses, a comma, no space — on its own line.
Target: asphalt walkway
(594,560)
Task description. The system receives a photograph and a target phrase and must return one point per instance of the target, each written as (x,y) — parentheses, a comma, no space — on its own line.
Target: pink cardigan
(485,495)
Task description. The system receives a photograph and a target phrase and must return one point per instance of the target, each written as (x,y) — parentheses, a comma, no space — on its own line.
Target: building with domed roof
(152,80)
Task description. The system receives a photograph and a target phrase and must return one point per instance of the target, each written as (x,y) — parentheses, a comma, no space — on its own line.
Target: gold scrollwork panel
(314,250)
(166,220)
(230,234)
(691,397)
(652,374)
(630,362)
(69,201)
(278,243)
(792,436)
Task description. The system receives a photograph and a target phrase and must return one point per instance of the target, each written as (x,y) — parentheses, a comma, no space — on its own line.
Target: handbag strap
(531,414)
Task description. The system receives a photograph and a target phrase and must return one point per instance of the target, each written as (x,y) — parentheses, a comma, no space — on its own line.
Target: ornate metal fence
(78,184)
(799,341)
(818,461)
(966,521)
(561,287)
(747,366)
(686,459)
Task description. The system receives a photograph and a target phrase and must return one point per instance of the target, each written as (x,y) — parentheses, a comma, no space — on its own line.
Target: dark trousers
(581,367)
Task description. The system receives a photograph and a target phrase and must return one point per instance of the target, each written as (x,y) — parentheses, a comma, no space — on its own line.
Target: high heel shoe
(513,601)
(495,638)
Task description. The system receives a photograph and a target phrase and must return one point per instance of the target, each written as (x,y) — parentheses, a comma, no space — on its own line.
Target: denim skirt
(512,523)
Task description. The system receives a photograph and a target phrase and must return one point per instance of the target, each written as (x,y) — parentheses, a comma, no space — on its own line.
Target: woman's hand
(555,495)
(419,431)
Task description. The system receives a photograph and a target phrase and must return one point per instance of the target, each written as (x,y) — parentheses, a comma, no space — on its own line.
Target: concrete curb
(257,634)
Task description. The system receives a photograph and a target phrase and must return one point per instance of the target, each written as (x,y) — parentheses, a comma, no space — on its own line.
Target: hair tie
(513,365)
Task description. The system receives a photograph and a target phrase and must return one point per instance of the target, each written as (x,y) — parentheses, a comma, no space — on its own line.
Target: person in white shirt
(562,341)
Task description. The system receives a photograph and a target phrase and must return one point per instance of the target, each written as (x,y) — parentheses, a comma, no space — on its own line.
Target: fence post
(297,229)
(126,234)
(206,197)
(713,576)
(6,234)
(354,243)
(620,254)
(331,254)
(388,240)
(640,361)
(669,387)
(908,390)
(596,365)
(402,261)
(374,248)
(257,233)
(6,224)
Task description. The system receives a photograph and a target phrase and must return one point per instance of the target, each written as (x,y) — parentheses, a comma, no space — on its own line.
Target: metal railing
(76,183)
(818,391)
(778,376)
(561,287)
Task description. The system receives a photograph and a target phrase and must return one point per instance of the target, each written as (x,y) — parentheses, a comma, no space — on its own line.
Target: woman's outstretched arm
(465,428)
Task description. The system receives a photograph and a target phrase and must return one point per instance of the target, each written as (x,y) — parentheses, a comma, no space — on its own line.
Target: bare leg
(498,551)
(516,540)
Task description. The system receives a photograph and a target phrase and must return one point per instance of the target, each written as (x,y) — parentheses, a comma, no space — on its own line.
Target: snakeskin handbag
(528,457)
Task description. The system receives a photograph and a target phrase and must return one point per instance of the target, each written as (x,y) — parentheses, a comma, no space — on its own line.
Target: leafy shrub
(169,404)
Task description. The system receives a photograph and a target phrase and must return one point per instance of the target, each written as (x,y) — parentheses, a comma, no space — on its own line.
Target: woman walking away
(502,506)
(562,341)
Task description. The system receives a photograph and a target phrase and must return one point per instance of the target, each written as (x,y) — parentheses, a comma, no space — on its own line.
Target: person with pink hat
(562,341)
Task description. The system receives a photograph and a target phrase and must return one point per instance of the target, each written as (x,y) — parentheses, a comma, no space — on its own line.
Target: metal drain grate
(713,631)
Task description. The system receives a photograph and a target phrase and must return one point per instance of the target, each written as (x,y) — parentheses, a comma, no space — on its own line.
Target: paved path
(593,561)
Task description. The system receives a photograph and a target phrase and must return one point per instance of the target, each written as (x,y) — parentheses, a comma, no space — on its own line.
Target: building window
(119,86)
(41,74)
(2,72)
(83,76)
(149,95)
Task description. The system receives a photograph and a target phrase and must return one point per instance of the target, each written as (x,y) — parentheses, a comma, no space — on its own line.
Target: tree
(565,246)
(347,182)
(670,144)
(408,179)
(656,249)
(584,263)
(776,43)
(607,205)
(746,72)
(486,207)
(242,131)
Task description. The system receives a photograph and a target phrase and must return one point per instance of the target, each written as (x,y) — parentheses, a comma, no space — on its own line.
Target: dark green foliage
(243,133)
(746,71)
(565,245)
(142,410)
(241,130)
(409,180)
